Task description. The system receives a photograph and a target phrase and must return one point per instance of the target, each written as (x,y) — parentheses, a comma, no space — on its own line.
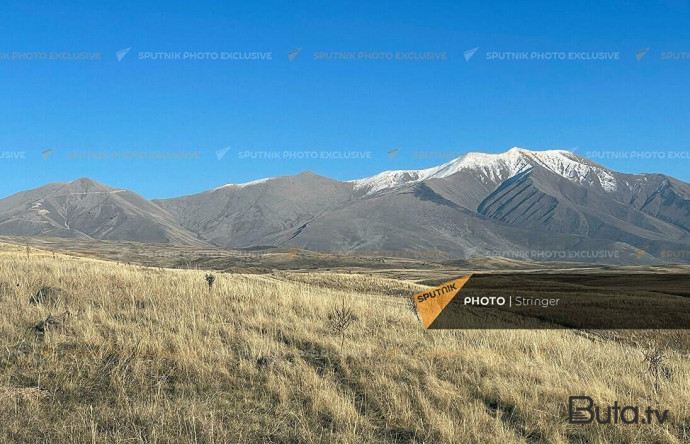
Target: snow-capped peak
(242,185)
(495,168)
(491,169)
(574,168)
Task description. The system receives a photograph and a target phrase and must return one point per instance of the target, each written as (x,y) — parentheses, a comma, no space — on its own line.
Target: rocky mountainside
(538,205)
(87,209)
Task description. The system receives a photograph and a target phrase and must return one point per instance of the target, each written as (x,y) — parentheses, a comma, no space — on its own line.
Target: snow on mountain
(574,168)
(496,168)
(242,185)
(491,168)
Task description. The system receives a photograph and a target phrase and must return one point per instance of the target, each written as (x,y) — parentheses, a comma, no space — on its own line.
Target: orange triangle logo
(431,302)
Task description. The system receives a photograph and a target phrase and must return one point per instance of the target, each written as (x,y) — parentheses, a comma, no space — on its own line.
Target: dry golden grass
(151,356)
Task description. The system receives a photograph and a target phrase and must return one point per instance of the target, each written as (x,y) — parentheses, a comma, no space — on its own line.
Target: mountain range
(536,205)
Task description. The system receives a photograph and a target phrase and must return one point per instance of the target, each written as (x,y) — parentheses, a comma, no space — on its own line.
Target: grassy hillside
(121,353)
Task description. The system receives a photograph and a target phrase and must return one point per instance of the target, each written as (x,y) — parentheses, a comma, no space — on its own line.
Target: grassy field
(123,353)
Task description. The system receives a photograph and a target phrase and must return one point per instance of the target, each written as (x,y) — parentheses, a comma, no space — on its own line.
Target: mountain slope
(519,204)
(417,222)
(492,169)
(261,213)
(516,203)
(88,209)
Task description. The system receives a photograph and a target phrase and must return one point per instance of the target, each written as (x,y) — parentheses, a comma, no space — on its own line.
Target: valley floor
(111,352)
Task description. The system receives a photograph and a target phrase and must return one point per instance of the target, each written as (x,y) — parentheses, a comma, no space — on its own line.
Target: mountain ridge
(476,204)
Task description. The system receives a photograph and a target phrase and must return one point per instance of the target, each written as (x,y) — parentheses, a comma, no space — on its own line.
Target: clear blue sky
(278,105)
